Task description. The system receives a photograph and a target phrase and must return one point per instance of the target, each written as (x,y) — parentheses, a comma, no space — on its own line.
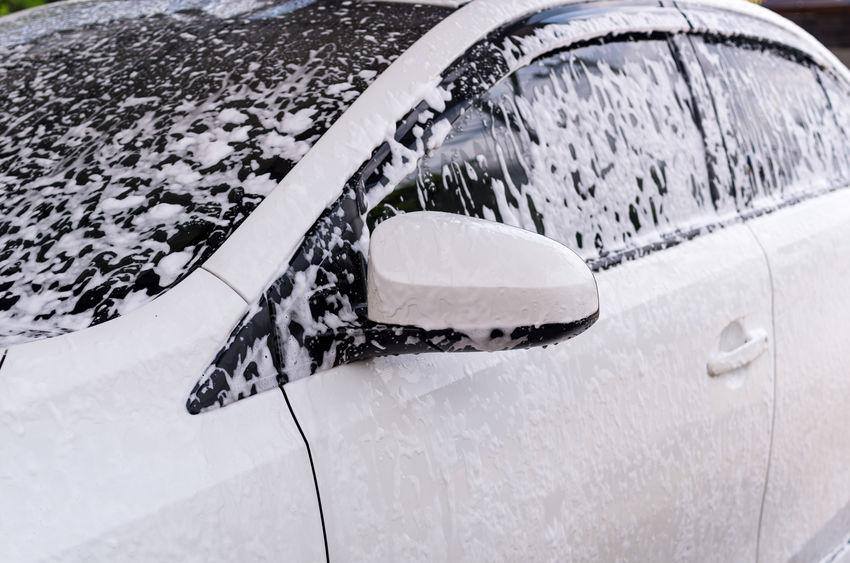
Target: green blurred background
(9,6)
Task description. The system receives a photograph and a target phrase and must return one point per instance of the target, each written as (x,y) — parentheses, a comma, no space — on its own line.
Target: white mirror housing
(441,271)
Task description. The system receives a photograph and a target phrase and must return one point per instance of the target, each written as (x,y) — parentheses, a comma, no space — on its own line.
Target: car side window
(781,135)
(838,93)
(598,147)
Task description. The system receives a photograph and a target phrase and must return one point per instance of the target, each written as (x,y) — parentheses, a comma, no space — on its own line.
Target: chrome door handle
(747,353)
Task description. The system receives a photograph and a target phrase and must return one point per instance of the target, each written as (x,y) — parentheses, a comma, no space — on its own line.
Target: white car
(193,192)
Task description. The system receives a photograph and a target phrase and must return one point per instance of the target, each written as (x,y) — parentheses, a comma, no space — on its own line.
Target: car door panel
(615,445)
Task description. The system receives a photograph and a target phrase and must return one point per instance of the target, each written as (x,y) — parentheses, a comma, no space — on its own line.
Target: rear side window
(838,93)
(598,147)
(781,135)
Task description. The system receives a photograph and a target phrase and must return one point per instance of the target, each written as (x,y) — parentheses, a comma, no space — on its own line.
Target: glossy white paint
(807,505)
(99,459)
(440,270)
(616,445)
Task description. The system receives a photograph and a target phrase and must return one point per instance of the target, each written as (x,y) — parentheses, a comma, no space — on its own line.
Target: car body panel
(101,459)
(433,432)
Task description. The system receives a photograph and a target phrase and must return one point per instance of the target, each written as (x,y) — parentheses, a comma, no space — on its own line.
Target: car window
(131,149)
(598,147)
(838,93)
(781,135)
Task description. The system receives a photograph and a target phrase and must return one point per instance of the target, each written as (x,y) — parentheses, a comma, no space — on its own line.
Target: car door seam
(312,469)
(775,380)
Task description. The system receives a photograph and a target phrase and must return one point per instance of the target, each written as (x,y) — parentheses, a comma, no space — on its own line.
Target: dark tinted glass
(598,147)
(130,150)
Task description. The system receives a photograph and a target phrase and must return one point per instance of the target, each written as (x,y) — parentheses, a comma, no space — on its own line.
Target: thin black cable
(312,468)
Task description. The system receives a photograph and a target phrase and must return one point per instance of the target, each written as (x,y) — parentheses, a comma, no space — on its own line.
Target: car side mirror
(500,287)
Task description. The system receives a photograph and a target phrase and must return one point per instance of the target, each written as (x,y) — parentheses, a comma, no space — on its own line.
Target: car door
(784,122)
(647,437)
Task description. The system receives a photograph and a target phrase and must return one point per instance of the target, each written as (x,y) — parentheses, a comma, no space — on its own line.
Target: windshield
(131,149)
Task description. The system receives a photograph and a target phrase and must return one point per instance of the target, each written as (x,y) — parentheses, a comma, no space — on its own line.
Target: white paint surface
(99,459)
(439,270)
